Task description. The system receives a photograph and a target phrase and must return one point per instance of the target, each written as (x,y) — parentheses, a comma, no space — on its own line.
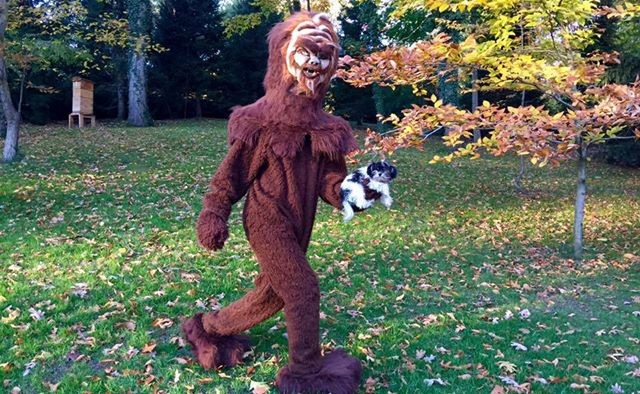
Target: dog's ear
(393,171)
(370,168)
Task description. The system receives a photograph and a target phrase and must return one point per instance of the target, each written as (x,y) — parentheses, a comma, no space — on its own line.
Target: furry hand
(212,230)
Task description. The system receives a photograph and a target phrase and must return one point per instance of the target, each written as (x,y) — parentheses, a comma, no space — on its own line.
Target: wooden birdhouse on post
(82,107)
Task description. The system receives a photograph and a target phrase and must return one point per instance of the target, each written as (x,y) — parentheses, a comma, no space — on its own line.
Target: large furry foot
(213,350)
(340,374)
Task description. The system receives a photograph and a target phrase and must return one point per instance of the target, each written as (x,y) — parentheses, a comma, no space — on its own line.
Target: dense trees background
(200,59)
(206,58)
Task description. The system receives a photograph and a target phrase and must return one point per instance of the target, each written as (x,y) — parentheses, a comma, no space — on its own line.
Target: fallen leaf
(176,376)
(162,322)
(439,381)
(579,386)
(498,390)
(127,325)
(519,346)
(181,361)
(370,385)
(12,315)
(258,388)
(507,366)
(51,386)
(149,347)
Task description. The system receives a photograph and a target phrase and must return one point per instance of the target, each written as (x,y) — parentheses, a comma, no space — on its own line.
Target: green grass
(114,209)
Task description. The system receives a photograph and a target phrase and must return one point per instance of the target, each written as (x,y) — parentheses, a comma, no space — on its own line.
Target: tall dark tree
(243,61)
(190,34)
(363,24)
(140,29)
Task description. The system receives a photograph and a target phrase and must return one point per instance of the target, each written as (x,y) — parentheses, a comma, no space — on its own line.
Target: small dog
(364,186)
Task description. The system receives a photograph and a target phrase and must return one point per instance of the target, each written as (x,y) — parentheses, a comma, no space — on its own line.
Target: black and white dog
(364,186)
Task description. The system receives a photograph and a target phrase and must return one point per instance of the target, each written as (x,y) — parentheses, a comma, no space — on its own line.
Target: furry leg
(386,200)
(213,336)
(213,350)
(339,374)
(347,211)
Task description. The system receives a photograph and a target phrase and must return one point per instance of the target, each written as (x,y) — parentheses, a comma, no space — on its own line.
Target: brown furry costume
(285,152)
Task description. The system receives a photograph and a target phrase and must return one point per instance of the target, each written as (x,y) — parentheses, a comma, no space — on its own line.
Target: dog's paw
(386,201)
(347,216)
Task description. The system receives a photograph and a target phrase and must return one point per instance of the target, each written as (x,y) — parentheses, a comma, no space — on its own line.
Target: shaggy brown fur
(284,153)
(213,350)
(340,374)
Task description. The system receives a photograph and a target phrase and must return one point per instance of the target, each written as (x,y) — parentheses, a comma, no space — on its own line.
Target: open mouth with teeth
(310,73)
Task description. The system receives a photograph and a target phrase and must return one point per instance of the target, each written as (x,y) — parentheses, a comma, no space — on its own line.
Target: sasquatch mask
(306,46)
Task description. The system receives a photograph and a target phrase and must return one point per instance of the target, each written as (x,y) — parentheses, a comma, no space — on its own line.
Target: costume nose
(314,61)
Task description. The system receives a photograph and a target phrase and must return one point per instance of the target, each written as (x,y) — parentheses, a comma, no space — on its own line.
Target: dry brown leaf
(51,386)
(162,322)
(149,347)
(181,361)
(498,390)
(258,388)
(127,325)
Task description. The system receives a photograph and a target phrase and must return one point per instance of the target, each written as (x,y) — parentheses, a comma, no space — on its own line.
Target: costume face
(312,54)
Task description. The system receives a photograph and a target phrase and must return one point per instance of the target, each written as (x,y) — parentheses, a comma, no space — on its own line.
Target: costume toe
(214,350)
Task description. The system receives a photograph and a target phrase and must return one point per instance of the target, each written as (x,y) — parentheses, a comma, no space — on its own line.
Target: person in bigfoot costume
(285,151)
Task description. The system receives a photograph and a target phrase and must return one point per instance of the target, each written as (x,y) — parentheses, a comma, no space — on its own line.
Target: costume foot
(340,374)
(213,350)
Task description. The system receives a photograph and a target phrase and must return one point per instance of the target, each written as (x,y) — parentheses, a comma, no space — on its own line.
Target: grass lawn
(463,280)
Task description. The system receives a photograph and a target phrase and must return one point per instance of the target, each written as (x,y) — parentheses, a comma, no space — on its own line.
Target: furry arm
(229,184)
(334,173)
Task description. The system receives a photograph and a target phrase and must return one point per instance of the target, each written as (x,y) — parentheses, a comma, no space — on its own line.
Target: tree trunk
(3,124)
(185,107)
(447,88)
(581,195)
(198,108)
(121,91)
(517,181)
(11,140)
(23,79)
(474,101)
(138,109)
(11,115)
(378,101)
(140,25)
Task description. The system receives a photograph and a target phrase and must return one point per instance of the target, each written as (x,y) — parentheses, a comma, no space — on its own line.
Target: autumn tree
(520,46)
(33,39)
(106,36)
